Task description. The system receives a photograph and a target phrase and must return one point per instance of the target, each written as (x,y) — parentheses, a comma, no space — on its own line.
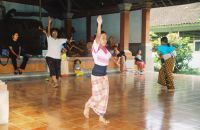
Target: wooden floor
(135,103)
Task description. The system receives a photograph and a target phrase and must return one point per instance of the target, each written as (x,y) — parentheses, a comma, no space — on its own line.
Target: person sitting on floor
(77,67)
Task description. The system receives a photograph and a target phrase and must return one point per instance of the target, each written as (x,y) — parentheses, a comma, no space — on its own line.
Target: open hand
(99,19)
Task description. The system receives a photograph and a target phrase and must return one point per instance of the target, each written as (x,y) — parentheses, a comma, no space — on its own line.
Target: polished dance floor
(135,103)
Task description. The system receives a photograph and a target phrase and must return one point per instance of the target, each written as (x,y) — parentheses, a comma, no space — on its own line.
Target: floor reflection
(136,102)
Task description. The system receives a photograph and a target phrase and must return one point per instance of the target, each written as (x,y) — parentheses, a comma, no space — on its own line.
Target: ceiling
(80,8)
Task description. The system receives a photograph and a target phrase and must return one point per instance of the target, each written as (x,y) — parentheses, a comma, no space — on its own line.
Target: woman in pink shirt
(100,85)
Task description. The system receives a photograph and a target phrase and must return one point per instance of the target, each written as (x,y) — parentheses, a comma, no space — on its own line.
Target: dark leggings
(24,62)
(54,66)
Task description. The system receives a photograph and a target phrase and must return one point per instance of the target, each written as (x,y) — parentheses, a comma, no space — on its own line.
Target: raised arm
(49,26)
(77,48)
(99,23)
(43,30)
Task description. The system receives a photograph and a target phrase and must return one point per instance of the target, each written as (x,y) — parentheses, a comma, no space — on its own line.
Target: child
(122,61)
(77,67)
(64,64)
(116,51)
(139,62)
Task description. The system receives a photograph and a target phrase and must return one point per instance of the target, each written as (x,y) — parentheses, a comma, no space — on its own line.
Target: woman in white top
(100,85)
(53,55)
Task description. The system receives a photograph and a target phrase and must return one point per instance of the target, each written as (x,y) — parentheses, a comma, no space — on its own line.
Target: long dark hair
(165,40)
(138,51)
(122,53)
(76,61)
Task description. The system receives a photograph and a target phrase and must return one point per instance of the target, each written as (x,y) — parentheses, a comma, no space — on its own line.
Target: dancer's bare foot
(103,120)
(55,85)
(86,112)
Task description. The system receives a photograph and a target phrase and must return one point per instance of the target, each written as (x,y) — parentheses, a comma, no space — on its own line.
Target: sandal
(16,72)
(20,72)
(55,85)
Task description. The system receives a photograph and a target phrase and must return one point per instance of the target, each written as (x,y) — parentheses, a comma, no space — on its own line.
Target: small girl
(139,62)
(77,67)
(122,61)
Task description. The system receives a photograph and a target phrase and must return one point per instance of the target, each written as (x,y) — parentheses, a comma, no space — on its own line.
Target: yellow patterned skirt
(165,76)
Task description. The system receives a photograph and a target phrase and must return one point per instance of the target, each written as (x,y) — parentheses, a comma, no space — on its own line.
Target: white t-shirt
(54,47)
(100,57)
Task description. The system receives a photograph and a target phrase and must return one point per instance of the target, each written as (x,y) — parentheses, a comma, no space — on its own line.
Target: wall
(79,25)
(135,32)
(111,24)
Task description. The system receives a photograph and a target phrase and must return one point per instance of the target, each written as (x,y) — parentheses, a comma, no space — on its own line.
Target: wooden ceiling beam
(171,3)
(27,14)
(89,2)
(163,3)
(75,3)
(114,2)
(30,2)
(62,4)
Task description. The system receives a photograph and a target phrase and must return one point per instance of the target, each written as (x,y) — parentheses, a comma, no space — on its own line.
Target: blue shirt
(77,66)
(165,49)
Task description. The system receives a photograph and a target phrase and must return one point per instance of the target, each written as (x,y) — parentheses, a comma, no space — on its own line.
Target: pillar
(68,24)
(88,26)
(124,27)
(146,45)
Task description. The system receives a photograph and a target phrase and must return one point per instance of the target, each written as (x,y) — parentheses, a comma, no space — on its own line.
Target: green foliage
(183,50)
(190,72)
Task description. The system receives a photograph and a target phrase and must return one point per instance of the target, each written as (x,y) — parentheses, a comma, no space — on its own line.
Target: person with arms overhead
(100,85)
(53,56)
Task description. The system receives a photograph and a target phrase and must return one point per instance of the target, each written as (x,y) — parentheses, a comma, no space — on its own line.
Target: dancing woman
(55,45)
(167,55)
(100,85)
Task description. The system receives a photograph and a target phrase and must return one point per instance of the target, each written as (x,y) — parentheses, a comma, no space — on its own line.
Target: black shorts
(54,66)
